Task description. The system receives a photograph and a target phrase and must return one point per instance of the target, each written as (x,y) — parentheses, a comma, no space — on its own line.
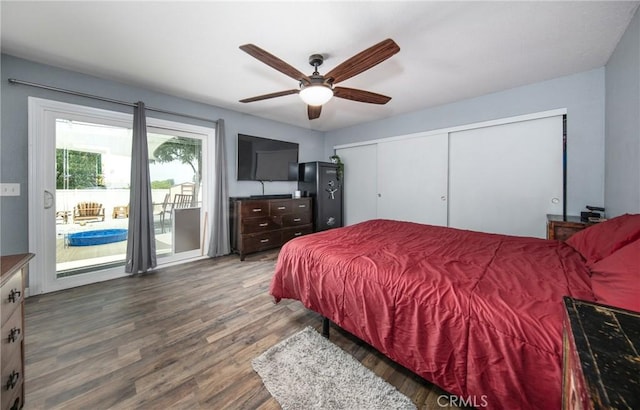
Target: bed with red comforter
(479,315)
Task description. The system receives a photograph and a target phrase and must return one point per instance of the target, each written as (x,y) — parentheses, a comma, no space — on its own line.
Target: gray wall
(581,94)
(13,140)
(622,142)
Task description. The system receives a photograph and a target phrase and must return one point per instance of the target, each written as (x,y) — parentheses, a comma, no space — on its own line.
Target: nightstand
(601,363)
(562,228)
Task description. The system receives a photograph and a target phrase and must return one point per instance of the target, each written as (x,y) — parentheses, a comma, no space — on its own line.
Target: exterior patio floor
(69,258)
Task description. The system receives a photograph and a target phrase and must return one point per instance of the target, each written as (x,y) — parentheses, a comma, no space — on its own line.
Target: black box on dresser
(259,224)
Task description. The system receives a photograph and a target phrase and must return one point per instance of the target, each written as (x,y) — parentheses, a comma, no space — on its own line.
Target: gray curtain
(219,241)
(141,242)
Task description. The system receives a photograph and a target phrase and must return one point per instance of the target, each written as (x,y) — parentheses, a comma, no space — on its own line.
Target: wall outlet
(7,189)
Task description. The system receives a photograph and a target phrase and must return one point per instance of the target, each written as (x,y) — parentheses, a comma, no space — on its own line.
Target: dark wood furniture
(320,181)
(601,368)
(561,228)
(14,271)
(261,224)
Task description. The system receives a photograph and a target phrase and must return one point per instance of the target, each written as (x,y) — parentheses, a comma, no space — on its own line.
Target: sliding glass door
(176,186)
(80,165)
(92,170)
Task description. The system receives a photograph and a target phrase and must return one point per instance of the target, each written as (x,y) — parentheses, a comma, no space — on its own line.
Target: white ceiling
(449,50)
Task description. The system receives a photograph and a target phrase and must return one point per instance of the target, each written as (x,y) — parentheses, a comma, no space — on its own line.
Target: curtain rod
(97,97)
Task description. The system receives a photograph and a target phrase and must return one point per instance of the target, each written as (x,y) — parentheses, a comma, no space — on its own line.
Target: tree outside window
(78,169)
(184,150)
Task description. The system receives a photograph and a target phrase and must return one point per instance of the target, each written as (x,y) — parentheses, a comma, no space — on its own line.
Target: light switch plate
(9,189)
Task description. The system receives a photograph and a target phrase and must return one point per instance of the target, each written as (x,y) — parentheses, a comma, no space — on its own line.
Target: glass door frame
(158,126)
(42,114)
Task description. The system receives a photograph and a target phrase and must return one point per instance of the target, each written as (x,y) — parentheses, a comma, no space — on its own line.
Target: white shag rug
(307,371)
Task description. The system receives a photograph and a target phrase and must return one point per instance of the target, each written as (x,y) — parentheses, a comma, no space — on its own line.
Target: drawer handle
(14,295)
(13,380)
(302,206)
(257,209)
(297,234)
(264,240)
(13,334)
(264,224)
(297,219)
(282,207)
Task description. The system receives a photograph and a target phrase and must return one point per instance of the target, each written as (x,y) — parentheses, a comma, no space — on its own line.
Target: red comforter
(478,314)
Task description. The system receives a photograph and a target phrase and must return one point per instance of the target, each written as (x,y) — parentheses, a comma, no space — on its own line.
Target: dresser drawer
(280,207)
(11,296)
(259,242)
(254,225)
(250,209)
(301,205)
(11,337)
(14,399)
(290,233)
(296,219)
(11,382)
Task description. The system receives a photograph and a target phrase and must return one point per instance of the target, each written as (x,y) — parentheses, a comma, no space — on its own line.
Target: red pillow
(602,239)
(615,280)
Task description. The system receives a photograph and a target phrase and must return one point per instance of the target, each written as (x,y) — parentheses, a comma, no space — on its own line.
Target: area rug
(307,371)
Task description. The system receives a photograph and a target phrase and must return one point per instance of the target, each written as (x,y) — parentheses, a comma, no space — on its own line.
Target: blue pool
(97,237)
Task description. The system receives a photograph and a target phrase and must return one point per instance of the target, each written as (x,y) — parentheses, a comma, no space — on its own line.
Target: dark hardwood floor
(181,338)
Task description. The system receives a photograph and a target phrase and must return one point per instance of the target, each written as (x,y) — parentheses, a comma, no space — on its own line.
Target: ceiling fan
(316,89)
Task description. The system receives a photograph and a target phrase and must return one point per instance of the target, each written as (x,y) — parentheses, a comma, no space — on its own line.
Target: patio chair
(62,216)
(182,201)
(179,201)
(120,211)
(165,210)
(88,211)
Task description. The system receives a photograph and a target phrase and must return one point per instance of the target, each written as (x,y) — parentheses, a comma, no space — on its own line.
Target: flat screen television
(264,159)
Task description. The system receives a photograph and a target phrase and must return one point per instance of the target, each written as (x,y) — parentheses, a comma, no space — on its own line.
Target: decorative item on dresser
(561,228)
(601,361)
(14,271)
(258,224)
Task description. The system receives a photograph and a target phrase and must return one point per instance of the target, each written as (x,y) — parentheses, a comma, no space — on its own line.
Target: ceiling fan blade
(272,95)
(360,95)
(274,62)
(363,61)
(314,111)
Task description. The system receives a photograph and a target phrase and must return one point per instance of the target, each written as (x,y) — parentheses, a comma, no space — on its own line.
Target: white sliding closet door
(360,183)
(412,179)
(506,178)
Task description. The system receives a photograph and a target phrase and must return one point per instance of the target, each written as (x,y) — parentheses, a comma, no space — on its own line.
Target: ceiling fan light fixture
(316,94)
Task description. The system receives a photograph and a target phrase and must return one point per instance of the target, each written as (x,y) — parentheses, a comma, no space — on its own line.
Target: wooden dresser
(261,224)
(601,365)
(562,228)
(14,273)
